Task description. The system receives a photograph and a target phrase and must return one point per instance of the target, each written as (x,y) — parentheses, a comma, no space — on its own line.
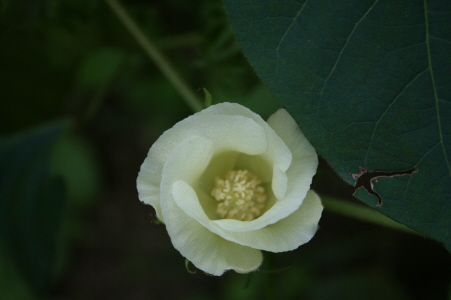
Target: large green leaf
(31,203)
(369,83)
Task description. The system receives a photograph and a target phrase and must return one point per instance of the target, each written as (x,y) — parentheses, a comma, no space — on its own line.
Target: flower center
(240,196)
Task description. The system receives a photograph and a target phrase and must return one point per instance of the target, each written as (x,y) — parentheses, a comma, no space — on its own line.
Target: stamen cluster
(240,196)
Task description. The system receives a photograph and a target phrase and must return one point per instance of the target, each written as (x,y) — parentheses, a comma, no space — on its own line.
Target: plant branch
(366,214)
(156,56)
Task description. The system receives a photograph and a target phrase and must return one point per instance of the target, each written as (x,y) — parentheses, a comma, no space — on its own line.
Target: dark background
(74,60)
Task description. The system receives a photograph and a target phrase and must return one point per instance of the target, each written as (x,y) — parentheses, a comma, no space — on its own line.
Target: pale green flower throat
(240,196)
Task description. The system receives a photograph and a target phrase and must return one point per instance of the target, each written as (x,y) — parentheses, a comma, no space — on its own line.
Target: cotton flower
(227,185)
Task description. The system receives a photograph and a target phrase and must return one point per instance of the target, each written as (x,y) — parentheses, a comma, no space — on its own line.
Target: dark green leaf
(32,202)
(369,83)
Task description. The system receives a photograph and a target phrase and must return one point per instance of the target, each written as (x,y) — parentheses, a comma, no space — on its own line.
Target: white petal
(277,152)
(148,190)
(206,250)
(235,133)
(187,200)
(305,159)
(285,235)
(187,161)
(256,164)
(278,155)
(303,167)
(171,181)
(300,174)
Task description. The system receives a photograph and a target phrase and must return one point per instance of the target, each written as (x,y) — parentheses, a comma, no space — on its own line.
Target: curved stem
(156,56)
(362,213)
(270,276)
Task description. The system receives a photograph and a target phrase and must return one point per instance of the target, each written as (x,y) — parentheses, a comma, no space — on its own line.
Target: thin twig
(156,56)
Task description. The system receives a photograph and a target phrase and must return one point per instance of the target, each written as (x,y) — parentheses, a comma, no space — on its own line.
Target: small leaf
(208,98)
(187,267)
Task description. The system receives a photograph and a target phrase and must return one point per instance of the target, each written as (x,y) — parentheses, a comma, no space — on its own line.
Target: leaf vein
(285,34)
(417,164)
(385,112)
(346,44)
(437,109)
(439,39)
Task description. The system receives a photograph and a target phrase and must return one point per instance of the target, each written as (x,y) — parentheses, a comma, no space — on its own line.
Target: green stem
(156,56)
(270,275)
(362,213)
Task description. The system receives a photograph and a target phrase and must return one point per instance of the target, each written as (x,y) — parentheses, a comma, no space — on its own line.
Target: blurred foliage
(74,60)
(32,205)
(62,54)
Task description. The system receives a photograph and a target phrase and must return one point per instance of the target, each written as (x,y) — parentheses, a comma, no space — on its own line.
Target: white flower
(227,184)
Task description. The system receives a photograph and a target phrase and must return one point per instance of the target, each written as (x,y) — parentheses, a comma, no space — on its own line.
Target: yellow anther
(240,196)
